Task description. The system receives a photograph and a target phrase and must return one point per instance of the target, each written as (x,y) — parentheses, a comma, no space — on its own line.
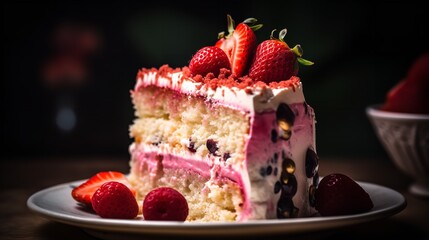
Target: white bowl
(405,138)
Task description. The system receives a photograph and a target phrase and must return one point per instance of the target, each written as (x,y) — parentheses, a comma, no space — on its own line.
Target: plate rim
(274,226)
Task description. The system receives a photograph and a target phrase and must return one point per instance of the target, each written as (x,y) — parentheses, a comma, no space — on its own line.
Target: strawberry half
(83,193)
(240,44)
(274,61)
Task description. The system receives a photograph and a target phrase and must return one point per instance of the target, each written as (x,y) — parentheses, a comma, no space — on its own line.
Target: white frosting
(261,99)
(259,190)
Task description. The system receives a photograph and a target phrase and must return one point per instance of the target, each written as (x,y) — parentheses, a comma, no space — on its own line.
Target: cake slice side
(236,154)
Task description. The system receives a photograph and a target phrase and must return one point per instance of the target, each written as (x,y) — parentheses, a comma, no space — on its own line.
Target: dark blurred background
(69,65)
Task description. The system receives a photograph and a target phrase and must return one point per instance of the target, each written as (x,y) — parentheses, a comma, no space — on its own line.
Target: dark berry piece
(269,170)
(338,194)
(311,162)
(285,120)
(277,187)
(226,156)
(191,146)
(263,171)
(274,136)
(286,208)
(212,146)
(289,184)
(288,165)
(285,129)
(285,113)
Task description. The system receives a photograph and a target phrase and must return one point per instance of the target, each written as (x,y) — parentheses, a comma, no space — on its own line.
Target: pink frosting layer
(259,149)
(263,124)
(156,160)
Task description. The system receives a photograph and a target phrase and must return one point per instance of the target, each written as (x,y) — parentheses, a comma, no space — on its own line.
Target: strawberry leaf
(251,23)
(282,34)
(298,50)
(304,61)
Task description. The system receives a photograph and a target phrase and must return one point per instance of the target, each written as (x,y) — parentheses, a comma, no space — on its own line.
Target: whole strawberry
(274,61)
(83,193)
(209,60)
(338,194)
(165,204)
(240,44)
(115,200)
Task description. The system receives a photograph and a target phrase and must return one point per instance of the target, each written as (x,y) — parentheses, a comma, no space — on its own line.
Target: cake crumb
(225,79)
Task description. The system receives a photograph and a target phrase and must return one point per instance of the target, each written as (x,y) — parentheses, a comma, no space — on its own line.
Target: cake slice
(237,150)
(232,132)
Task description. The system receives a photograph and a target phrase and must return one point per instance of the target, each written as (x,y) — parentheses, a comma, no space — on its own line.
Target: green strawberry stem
(304,61)
(272,35)
(297,50)
(282,34)
(231,26)
(220,35)
(251,23)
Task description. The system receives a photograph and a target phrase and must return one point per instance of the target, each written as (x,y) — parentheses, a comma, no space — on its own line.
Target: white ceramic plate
(56,203)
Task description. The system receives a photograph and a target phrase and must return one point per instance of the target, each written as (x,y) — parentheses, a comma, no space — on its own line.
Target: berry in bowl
(401,124)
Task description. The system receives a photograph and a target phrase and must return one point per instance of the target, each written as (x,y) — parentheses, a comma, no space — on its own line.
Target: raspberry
(114,200)
(165,204)
(338,194)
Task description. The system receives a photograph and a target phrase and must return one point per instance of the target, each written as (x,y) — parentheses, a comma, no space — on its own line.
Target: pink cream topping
(258,98)
(240,93)
(156,159)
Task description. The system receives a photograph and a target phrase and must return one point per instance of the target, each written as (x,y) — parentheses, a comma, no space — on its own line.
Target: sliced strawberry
(274,61)
(240,44)
(83,193)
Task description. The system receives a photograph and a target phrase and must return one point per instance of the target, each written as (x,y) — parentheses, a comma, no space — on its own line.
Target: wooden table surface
(20,178)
